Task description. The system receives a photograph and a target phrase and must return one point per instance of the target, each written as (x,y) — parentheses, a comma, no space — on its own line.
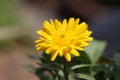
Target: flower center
(62,36)
(61,39)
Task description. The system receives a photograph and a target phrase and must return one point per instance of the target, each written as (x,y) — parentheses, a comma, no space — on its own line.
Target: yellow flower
(63,38)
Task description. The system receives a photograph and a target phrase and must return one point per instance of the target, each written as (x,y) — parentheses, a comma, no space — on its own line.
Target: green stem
(65,70)
(57,75)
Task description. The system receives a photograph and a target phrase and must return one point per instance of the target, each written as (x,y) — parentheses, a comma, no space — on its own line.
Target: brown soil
(11,65)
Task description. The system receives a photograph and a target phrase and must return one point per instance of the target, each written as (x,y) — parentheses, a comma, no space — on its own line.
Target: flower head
(63,38)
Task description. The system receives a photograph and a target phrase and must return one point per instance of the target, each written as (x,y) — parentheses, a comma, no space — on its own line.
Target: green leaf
(80,66)
(85,76)
(51,66)
(60,75)
(117,66)
(95,50)
(82,59)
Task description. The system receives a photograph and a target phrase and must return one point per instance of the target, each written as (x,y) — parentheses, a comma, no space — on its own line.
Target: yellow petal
(77,21)
(84,44)
(37,45)
(76,47)
(63,38)
(38,48)
(75,52)
(80,29)
(70,26)
(49,50)
(86,34)
(45,40)
(42,42)
(37,41)
(55,47)
(75,24)
(67,57)
(54,55)
(49,26)
(52,48)
(44,34)
(88,39)
(61,51)
(58,25)
(49,29)
(52,23)
(64,24)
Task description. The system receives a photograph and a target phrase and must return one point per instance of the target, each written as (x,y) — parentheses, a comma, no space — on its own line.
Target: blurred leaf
(85,76)
(72,76)
(34,57)
(80,66)
(44,77)
(51,66)
(60,75)
(45,58)
(95,50)
(117,66)
(29,68)
(40,72)
(103,71)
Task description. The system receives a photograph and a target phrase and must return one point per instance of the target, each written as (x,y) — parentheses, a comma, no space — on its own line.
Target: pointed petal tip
(52,59)
(38,32)
(36,41)
(68,57)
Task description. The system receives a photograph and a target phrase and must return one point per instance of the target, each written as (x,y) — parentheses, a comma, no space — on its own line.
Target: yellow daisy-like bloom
(63,38)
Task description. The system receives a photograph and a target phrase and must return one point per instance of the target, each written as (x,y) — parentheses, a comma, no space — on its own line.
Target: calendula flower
(63,38)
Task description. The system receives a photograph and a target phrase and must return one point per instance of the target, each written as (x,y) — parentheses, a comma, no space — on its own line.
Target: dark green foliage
(54,67)
(104,71)
(79,68)
(117,66)
(82,59)
(50,66)
(40,72)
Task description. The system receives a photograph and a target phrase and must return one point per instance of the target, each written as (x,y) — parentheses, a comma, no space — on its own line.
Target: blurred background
(19,20)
